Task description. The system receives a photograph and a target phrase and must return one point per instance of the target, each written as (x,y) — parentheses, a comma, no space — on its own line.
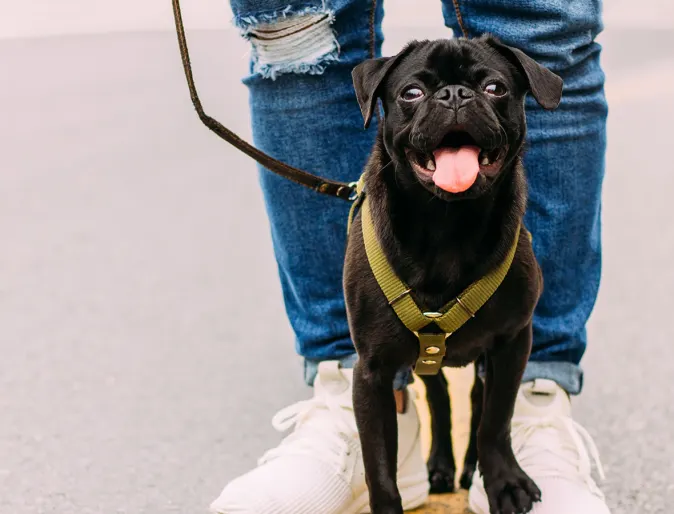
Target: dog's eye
(495,89)
(412,93)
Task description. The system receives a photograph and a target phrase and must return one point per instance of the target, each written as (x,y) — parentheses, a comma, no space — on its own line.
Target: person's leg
(565,167)
(304,112)
(564,164)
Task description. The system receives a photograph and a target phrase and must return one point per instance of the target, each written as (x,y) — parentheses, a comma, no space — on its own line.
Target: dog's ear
(367,80)
(543,84)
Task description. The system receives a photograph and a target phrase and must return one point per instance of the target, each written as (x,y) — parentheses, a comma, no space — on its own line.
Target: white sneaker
(555,451)
(318,468)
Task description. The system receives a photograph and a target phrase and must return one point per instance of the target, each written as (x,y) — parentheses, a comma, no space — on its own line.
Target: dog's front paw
(467,474)
(441,473)
(511,491)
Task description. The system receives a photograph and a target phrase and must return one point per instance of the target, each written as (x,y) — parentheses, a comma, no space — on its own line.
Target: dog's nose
(455,96)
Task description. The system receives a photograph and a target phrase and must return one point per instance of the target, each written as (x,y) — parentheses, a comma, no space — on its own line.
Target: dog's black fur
(439,243)
(441,463)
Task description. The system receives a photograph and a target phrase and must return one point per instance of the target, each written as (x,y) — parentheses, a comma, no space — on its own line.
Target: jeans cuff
(402,379)
(569,376)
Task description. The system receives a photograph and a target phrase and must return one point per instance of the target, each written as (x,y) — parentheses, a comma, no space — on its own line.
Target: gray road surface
(136,280)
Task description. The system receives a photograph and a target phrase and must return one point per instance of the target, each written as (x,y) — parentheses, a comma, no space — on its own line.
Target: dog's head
(454,110)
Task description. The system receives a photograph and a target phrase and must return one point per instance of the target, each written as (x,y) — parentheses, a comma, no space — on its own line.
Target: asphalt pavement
(137,279)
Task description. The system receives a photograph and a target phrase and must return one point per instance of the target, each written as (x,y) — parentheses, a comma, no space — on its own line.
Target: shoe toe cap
(287,486)
(560,496)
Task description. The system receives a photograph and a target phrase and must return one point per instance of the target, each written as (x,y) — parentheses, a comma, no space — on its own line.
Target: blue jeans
(304,112)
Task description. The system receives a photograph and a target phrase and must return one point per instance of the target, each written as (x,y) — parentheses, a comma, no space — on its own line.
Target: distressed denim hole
(302,43)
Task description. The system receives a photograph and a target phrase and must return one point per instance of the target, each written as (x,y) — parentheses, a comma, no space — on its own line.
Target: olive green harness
(449,318)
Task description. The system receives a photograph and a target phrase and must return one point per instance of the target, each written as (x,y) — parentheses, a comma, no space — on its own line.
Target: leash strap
(449,319)
(459,18)
(321,185)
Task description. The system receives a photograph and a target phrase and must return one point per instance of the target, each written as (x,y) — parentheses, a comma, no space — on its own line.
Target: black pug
(447,193)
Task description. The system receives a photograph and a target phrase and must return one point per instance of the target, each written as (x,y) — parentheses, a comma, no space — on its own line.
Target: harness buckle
(400,296)
(464,307)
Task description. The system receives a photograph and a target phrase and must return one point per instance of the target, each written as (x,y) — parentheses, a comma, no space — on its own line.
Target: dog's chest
(503,316)
(470,341)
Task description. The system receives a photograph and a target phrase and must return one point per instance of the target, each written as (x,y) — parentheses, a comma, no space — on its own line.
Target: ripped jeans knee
(289,39)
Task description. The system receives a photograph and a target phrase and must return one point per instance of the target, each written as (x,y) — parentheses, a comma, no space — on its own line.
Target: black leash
(328,187)
(321,185)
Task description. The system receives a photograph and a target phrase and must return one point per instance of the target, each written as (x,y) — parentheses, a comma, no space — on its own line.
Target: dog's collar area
(357,198)
(449,319)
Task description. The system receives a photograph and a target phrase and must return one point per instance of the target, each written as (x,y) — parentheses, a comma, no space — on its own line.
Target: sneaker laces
(324,430)
(570,456)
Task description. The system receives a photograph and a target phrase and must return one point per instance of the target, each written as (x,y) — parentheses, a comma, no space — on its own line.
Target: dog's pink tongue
(456,169)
